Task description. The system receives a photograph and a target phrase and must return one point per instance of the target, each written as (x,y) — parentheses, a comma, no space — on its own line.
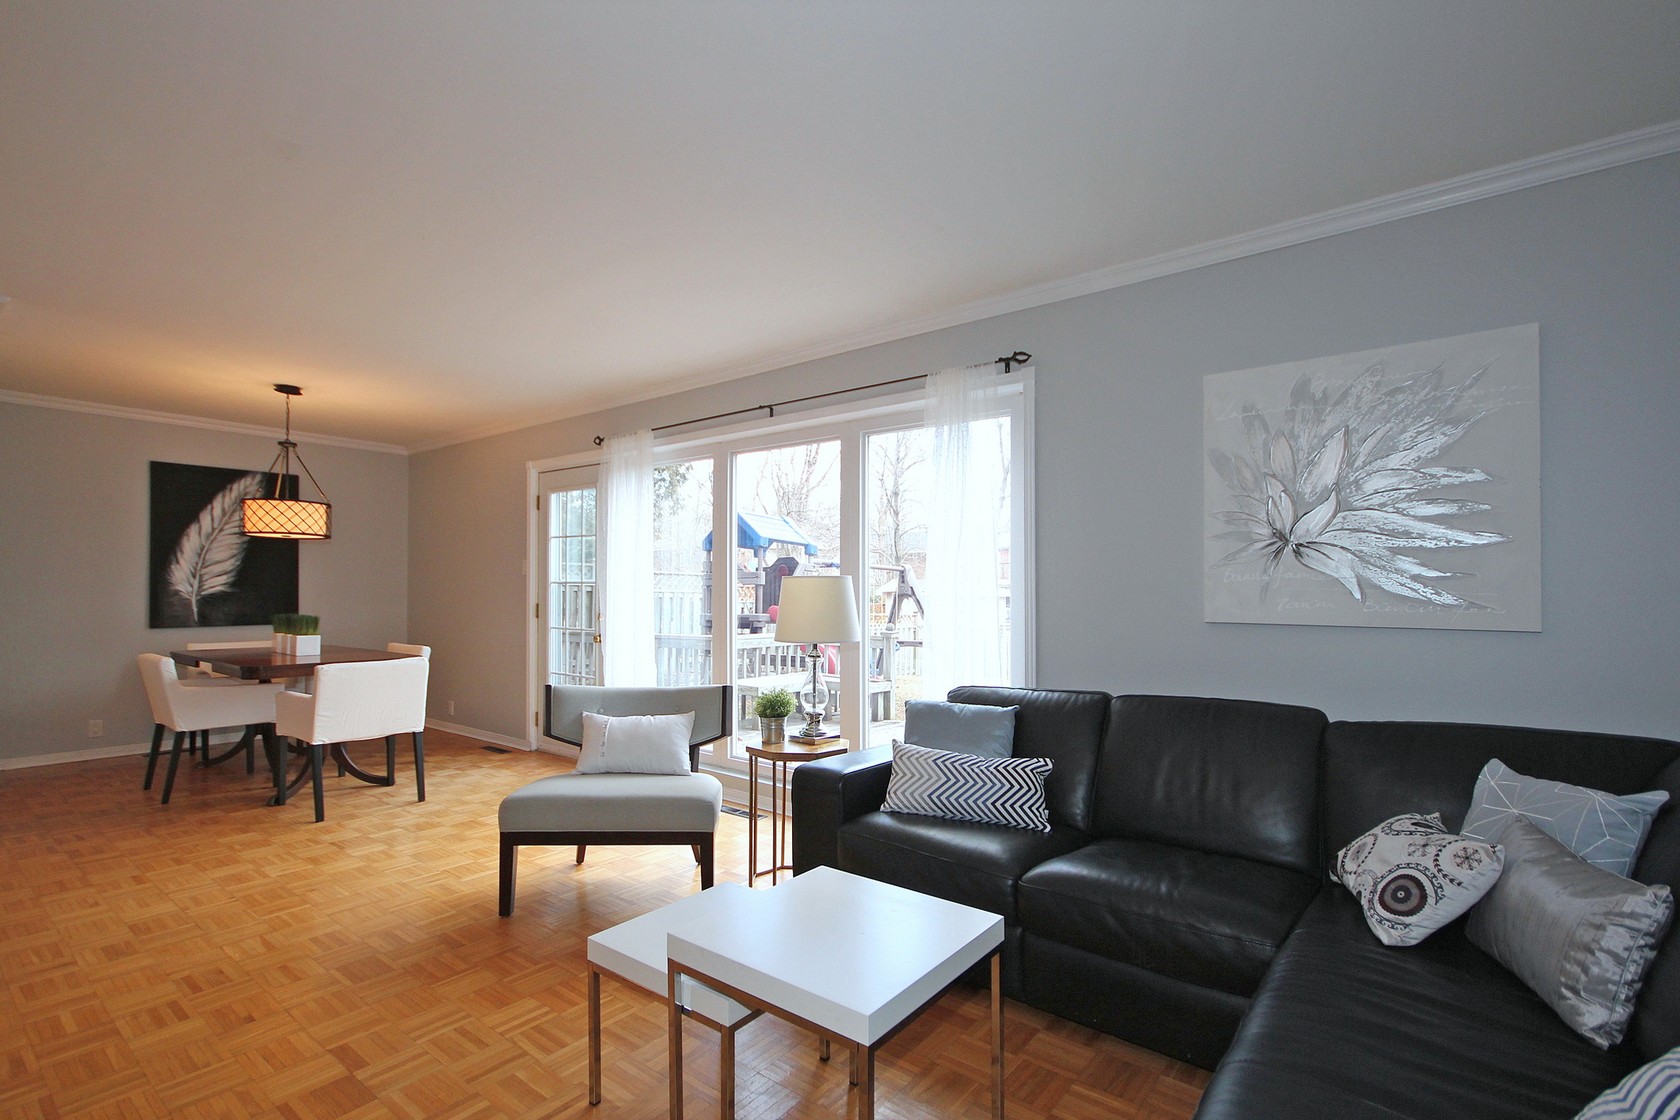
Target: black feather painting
(204,570)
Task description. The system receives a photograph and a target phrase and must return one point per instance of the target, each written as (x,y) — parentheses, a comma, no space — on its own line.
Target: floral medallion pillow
(1412,876)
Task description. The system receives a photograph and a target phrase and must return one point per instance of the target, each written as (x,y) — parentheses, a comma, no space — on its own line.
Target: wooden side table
(778,756)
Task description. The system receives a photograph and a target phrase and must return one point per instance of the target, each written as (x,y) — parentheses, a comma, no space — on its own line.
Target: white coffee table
(635,952)
(845,957)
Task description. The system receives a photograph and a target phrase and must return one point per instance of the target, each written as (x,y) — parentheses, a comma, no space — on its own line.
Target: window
(848,490)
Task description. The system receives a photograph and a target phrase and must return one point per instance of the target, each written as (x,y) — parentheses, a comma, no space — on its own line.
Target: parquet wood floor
(221,958)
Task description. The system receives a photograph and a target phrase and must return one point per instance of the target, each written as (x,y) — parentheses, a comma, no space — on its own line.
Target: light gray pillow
(979,729)
(1605,830)
(1580,936)
(635,744)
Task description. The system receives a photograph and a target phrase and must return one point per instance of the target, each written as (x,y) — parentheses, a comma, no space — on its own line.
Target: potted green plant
(297,634)
(772,707)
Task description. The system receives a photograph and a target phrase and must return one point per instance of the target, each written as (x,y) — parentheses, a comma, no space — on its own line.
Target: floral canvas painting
(1392,487)
(204,570)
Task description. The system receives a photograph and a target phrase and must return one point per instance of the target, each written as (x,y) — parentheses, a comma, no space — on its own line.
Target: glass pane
(682,575)
(570,606)
(899,499)
(787,503)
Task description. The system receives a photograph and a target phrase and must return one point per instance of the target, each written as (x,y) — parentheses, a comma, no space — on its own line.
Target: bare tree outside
(894,456)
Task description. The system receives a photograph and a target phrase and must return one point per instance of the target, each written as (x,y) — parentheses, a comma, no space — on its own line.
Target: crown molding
(1583,159)
(121,412)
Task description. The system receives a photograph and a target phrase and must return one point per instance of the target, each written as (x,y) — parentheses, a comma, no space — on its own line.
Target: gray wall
(74,500)
(1595,260)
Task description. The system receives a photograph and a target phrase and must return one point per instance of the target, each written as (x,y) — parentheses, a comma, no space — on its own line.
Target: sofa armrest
(829,792)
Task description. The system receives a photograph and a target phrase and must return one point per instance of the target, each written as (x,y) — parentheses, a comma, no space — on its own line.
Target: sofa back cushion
(1373,771)
(1065,726)
(1235,777)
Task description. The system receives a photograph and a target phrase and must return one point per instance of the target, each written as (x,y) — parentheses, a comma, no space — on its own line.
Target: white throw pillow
(1412,876)
(635,744)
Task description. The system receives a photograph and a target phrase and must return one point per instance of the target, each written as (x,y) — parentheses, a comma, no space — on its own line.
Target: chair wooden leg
(251,748)
(510,871)
(315,762)
(390,760)
(174,762)
(706,863)
(420,765)
(581,849)
(151,759)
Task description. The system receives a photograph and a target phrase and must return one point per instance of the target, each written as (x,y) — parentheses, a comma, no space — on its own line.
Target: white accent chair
(359,700)
(585,809)
(199,704)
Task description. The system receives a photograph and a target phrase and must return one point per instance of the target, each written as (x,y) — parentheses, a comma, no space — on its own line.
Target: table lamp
(816,611)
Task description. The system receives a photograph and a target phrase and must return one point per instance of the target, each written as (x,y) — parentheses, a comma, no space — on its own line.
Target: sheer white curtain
(624,560)
(964,639)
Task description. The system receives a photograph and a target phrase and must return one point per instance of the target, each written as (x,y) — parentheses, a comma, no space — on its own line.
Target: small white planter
(298,644)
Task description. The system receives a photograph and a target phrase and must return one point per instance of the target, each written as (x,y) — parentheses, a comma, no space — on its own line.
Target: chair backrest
(203,668)
(157,673)
(369,699)
(412,651)
(710,703)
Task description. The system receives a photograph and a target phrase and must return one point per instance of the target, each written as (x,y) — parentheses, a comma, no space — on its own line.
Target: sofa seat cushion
(1209,919)
(960,861)
(1346,1028)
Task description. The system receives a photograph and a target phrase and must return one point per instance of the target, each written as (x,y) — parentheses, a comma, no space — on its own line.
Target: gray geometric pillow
(1576,934)
(1605,830)
(1412,876)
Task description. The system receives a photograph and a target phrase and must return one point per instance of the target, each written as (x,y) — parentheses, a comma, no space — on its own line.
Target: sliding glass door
(844,491)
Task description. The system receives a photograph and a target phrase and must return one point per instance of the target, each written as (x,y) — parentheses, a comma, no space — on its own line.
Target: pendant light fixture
(288,518)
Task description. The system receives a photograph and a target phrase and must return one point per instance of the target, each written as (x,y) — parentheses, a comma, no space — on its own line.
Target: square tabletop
(635,950)
(845,953)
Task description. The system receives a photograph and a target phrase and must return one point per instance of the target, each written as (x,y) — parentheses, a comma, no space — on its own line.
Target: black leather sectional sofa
(1181,899)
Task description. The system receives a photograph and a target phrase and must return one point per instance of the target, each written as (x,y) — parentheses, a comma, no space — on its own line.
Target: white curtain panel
(624,561)
(964,639)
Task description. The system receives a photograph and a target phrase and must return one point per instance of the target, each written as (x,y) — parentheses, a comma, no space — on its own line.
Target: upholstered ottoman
(586,809)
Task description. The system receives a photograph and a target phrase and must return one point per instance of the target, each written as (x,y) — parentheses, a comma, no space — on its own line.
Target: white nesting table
(635,952)
(845,957)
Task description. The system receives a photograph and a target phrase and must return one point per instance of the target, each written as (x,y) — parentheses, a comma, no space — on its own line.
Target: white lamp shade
(817,610)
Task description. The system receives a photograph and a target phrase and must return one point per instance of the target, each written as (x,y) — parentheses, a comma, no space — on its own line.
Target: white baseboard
(115,750)
(225,738)
(475,733)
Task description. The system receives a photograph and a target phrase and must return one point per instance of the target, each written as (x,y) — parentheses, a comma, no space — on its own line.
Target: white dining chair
(202,669)
(359,700)
(200,704)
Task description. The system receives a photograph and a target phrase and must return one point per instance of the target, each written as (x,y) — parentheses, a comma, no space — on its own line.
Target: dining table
(254,663)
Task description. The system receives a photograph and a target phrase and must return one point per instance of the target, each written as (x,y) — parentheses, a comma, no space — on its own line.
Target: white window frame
(850,423)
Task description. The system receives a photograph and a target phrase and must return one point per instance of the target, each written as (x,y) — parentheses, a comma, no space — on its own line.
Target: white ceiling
(445,217)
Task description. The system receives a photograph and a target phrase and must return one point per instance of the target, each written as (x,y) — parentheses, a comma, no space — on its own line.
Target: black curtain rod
(1009,362)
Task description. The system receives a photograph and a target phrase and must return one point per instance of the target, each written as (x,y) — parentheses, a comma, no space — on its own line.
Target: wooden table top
(256,664)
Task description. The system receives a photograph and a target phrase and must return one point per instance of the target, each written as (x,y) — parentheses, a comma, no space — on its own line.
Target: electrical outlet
(452,707)
(96,728)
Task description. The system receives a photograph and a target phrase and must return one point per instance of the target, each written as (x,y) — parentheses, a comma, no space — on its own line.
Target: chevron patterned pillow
(966,787)
(1651,1092)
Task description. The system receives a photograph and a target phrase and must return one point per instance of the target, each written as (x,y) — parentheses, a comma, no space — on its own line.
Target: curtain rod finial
(1019,358)
(599,440)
